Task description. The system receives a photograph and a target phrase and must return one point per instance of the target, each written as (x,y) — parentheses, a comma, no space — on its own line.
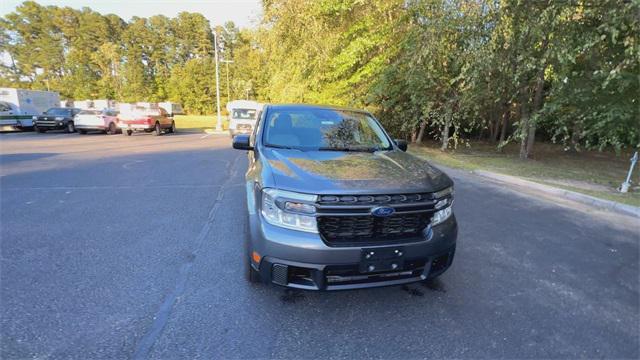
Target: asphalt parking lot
(130,247)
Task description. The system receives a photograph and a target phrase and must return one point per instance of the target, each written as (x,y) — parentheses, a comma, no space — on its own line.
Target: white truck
(243,115)
(19,106)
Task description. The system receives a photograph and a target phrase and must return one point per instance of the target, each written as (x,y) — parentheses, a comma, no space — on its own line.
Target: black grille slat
(346,219)
(357,229)
(373,199)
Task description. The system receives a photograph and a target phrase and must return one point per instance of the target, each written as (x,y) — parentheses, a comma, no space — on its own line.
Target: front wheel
(251,274)
(40,130)
(127,132)
(112,129)
(172,129)
(157,131)
(71,128)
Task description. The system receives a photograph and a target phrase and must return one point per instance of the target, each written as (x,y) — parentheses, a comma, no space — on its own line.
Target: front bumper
(16,124)
(245,131)
(90,127)
(136,127)
(302,260)
(51,125)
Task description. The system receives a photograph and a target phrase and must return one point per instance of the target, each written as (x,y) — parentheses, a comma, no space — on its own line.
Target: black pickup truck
(56,119)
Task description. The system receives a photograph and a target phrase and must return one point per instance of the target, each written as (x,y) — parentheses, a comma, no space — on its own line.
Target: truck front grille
(373,199)
(345,220)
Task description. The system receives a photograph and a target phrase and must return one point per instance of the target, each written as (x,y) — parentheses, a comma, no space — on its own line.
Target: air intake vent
(279,274)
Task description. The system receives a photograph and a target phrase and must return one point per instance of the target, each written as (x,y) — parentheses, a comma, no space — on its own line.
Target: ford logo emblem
(382,211)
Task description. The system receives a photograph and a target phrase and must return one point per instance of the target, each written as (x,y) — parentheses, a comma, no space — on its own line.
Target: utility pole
(215,50)
(228,92)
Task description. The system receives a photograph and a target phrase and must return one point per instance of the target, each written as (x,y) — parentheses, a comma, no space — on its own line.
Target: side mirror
(241,142)
(402,144)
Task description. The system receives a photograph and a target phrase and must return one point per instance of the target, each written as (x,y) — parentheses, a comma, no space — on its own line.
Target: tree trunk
(575,136)
(495,118)
(445,133)
(524,127)
(537,106)
(505,123)
(423,126)
(492,130)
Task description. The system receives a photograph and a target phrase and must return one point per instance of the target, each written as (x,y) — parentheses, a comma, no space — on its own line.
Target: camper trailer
(243,115)
(100,104)
(172,108)
(19,106)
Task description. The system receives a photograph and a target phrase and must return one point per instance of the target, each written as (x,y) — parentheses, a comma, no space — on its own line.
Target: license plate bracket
(382,259)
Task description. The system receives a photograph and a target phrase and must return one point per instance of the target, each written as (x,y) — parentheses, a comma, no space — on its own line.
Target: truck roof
(291,107)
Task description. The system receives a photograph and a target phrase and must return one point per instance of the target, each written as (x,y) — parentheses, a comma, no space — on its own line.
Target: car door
(110,117)
(165,120)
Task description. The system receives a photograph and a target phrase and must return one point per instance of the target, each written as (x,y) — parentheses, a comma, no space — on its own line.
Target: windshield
(58,111)
(324,129)
(243,114)
(90,112)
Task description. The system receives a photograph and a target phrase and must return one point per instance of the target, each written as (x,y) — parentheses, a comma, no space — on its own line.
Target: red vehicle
(154,120)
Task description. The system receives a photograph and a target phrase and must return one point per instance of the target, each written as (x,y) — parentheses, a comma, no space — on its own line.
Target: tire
(82,131)
(71,128)
(40,130)
(252,276)
(157,130)
(127,132)
(172,129)
(112,129)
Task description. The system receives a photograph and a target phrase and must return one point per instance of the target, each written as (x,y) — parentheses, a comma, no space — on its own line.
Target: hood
(335,172)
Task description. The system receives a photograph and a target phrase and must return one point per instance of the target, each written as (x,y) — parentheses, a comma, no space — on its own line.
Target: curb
(214,131)
(566,194)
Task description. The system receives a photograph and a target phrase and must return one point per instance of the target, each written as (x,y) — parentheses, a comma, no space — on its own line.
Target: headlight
(289,210)
(34,118)
(59,118)
(443,193)
(440,216)
(443,206)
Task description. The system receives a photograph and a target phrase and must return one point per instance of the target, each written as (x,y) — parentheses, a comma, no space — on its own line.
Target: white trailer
(99,104)
(243,115)
(19,106)
(172,108)
(66,103)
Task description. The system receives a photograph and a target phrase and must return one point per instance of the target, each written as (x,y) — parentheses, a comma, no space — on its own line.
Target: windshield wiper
(280,147)
(346,148)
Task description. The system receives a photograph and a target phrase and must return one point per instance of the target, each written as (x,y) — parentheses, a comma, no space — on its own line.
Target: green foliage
(453,70)
(194,84)
(83,54)
(456,69)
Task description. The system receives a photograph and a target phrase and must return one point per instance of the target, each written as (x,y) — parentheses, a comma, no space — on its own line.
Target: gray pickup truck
(334,203)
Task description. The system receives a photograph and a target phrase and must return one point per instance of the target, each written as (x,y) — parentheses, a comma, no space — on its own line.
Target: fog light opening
(301,276)
(440,263)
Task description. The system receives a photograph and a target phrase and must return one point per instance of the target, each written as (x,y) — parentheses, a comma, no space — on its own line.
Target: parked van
(19,106)
(171,108)
(243,115)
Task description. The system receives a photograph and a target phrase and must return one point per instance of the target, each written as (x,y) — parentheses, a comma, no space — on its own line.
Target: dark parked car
(334,203)
(56,119)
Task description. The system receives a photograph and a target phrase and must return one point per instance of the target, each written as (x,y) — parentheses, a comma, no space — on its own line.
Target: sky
(244,13)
